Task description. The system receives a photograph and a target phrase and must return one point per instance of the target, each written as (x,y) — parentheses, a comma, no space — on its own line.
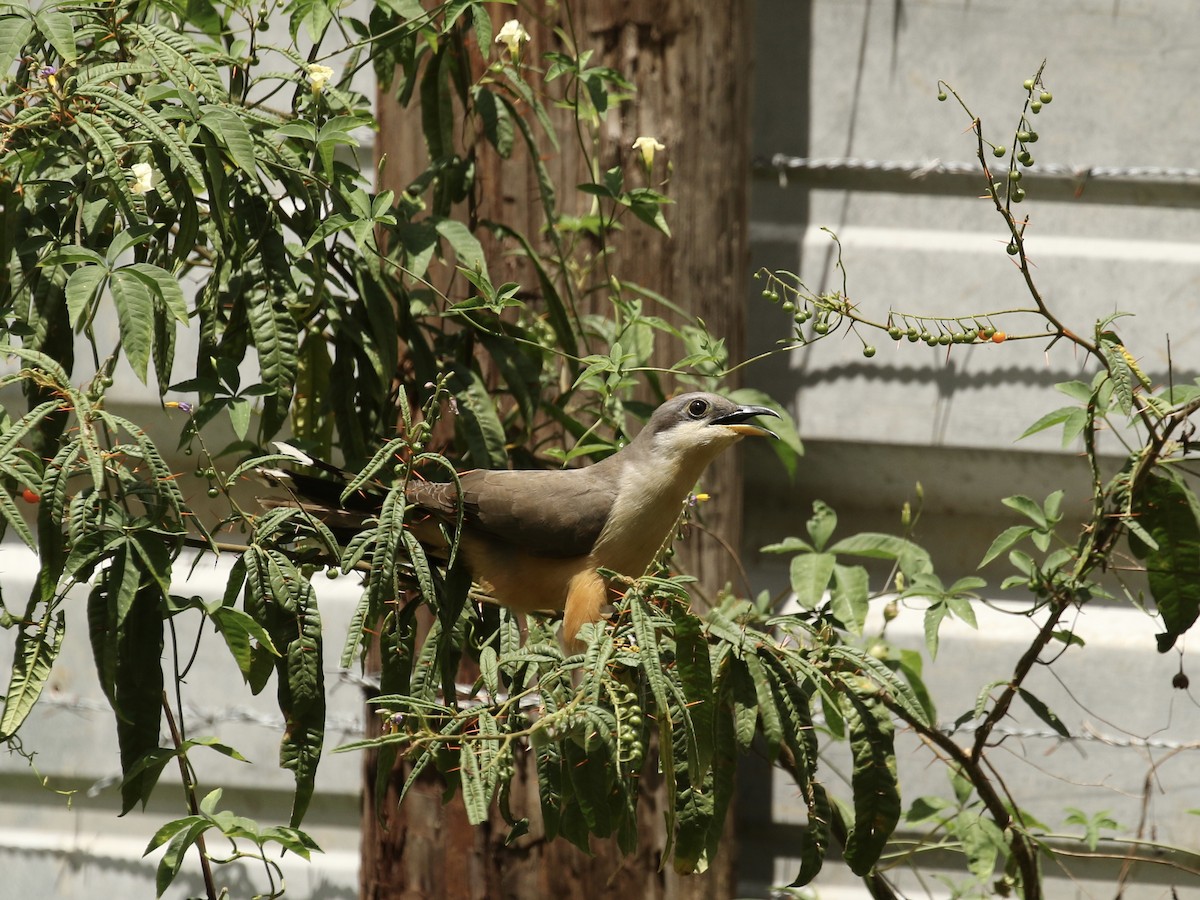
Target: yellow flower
(145,179)
(318,76)
(648,146)
(512,35)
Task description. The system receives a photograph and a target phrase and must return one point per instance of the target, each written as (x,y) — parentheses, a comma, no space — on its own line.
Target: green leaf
(1167,510)
(1045,713)
(695,676)
(851,593)
(135,319)
(229,128)
(14,33)
(81,291)
(57,28)
(476,799)
(36,650)
(1004,541)
(913,559)
(479,422)
(274,331)
(933,622)
(152,122)
(822,524)
(238,629)
(876,792)
(814,841)
(181,842)
(1027,507)
(164,285)
(497,123)
(137,685)
(810,574)
(467,249)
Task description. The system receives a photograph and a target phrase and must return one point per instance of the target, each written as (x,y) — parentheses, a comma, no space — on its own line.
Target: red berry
(30,496)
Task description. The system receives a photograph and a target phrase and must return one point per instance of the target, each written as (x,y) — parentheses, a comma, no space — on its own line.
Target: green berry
(1015,175)
(1033,136)
(989,331)
(331,573)
(213,492)
(821,328)
(787,306)
(941,96)
(913,335)
(894,332)
(943,338)
(1022,136)
(1045,96)
(868,351)
(1018,195)
(1012,248)
(999,150)
(1035,107)
(1028,84)
(1025,158)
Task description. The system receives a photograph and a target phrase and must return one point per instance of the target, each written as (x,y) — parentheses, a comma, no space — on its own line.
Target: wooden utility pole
(690,62)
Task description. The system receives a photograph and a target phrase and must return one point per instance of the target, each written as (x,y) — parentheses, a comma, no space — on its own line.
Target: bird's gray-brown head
(700,425)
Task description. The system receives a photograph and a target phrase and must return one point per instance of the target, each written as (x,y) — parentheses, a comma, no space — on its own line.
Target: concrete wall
(849,88)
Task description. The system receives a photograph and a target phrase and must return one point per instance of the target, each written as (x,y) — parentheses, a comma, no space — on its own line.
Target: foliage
(147,145)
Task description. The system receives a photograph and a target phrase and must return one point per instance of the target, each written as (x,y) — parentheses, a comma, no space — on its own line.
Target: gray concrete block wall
(858,81)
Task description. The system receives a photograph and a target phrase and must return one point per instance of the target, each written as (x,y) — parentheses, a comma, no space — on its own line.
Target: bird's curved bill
(738,420)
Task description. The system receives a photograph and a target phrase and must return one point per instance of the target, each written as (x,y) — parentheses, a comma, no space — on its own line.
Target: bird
(536,540)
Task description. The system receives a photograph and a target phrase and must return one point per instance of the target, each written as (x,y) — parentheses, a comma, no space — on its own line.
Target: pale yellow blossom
(145,179)
(512,35)
(318,77)
(648,146)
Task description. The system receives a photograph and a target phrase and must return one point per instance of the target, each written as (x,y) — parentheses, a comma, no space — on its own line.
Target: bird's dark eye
(697,408)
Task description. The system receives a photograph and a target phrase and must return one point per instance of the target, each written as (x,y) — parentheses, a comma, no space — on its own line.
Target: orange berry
(998,337)
(29,496)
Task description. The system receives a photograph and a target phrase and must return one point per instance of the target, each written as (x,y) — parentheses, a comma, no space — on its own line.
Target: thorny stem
(1022,846)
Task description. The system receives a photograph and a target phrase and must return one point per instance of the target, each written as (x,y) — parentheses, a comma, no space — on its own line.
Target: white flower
(145,179)
(648,146)
(511,36)
(318,76)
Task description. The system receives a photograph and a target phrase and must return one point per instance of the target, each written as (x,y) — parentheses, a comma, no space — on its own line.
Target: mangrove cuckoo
(534,539)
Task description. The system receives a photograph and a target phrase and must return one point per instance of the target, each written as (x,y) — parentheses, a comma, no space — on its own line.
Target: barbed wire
(353,723)
(783,165)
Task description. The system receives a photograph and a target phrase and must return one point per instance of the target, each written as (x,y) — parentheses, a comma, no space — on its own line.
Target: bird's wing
(560,512)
